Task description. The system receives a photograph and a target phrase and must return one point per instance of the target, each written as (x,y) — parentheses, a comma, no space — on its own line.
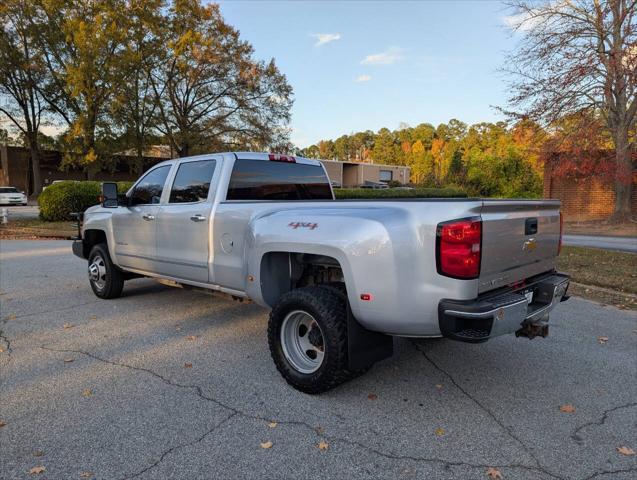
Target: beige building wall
(354,174)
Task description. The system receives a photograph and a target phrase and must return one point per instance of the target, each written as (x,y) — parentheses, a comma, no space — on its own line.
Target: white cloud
(323,38)
(363,78)
(388,57)
(521,21)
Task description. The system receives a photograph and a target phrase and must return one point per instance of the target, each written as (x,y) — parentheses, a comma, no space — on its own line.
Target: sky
(364,65)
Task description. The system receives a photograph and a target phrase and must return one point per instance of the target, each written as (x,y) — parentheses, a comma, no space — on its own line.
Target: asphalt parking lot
(166,383)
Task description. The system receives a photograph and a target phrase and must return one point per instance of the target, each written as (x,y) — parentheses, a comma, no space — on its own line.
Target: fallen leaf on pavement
(37,470)
(438,386)
(68,360)
(602,340)
(1,349)
(323,446)
(567,408)
(192,338)
(87,392)
(187,365)
(86,474)
(439,431)
(11,317)
(266,445)
(372,396)
(272,424)
(629,452)
(67,326)
(93,317)
(2,423)
(38,453)
(494,473)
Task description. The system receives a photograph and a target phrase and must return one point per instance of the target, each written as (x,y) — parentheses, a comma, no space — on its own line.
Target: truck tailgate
(520,239)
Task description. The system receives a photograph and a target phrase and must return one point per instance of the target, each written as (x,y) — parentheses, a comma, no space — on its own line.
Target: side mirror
(109,195)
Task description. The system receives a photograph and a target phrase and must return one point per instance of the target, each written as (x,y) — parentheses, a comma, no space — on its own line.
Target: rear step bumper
(503,312)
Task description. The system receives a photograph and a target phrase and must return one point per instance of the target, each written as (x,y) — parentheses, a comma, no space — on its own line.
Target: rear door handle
(148,217)
(197,218)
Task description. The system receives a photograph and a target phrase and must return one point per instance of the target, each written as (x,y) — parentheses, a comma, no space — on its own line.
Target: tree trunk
(623,178)
(35,165)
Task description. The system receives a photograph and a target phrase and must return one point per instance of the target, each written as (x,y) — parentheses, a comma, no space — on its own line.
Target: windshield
(8,190)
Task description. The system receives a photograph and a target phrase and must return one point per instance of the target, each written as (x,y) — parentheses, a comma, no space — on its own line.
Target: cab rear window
(271,180)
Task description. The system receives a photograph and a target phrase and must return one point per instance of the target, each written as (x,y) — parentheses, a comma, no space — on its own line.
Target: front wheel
(107,281)
(307,335)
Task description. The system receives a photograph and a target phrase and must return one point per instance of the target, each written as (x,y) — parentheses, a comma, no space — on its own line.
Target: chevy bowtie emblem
(530,245)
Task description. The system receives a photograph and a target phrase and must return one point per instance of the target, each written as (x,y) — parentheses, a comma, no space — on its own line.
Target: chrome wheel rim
(302,341)
(97,272)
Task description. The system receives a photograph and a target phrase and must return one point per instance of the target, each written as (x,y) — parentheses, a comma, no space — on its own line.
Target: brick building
(585,199)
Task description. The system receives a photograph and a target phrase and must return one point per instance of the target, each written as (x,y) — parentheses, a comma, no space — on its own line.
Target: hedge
(356,193)
(59,200)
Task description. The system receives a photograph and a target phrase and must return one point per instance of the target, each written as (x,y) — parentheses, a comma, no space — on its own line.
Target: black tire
(110,282)
(328,307)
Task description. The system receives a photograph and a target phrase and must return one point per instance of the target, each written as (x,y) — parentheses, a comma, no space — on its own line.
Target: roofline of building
(363,163)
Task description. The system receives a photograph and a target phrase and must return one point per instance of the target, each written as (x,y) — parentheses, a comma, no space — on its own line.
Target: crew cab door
(184,223)
(134,226)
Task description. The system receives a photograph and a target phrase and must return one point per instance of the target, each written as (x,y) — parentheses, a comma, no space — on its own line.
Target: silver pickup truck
(341,277)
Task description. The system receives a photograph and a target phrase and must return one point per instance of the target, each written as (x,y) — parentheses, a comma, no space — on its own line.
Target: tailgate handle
(530,226)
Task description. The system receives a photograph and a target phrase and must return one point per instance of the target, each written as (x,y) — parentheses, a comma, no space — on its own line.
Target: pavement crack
(610,472)
(180,446)
(236,412)
(575,435)
(486,410)
(6,341)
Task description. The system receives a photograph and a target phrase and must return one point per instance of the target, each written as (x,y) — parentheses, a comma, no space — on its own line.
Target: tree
(384,151)
(211,94)
(134,107)
(20,75)
(82,44)
(578,56)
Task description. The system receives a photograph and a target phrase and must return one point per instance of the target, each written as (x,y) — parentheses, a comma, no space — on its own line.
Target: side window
(192,182)
(271,180)
(149,188)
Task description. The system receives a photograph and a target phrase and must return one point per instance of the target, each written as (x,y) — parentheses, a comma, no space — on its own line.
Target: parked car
(12,196)
(342,277)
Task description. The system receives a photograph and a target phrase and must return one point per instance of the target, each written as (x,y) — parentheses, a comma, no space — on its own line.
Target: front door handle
(148,217)
(197,218)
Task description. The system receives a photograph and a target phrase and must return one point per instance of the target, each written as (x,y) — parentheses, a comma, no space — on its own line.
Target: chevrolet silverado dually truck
(341,277)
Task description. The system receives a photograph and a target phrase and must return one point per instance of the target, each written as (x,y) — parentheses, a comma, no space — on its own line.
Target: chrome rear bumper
(503,312)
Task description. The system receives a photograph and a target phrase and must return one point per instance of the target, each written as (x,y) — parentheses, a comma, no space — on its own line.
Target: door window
(192,182)
(148,190)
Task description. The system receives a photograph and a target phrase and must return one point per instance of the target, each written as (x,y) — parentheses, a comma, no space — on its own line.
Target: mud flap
(364,347)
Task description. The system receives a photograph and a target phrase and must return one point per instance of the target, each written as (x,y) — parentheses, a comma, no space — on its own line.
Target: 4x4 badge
(309,225)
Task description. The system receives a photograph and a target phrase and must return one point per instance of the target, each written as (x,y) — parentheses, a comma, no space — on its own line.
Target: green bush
(59,200)
(356,193)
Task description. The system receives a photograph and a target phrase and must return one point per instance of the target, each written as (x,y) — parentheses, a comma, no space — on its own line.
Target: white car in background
(12,196)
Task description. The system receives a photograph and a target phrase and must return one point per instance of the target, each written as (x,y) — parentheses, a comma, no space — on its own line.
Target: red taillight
(458,248)
(274,157)
(559,245)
